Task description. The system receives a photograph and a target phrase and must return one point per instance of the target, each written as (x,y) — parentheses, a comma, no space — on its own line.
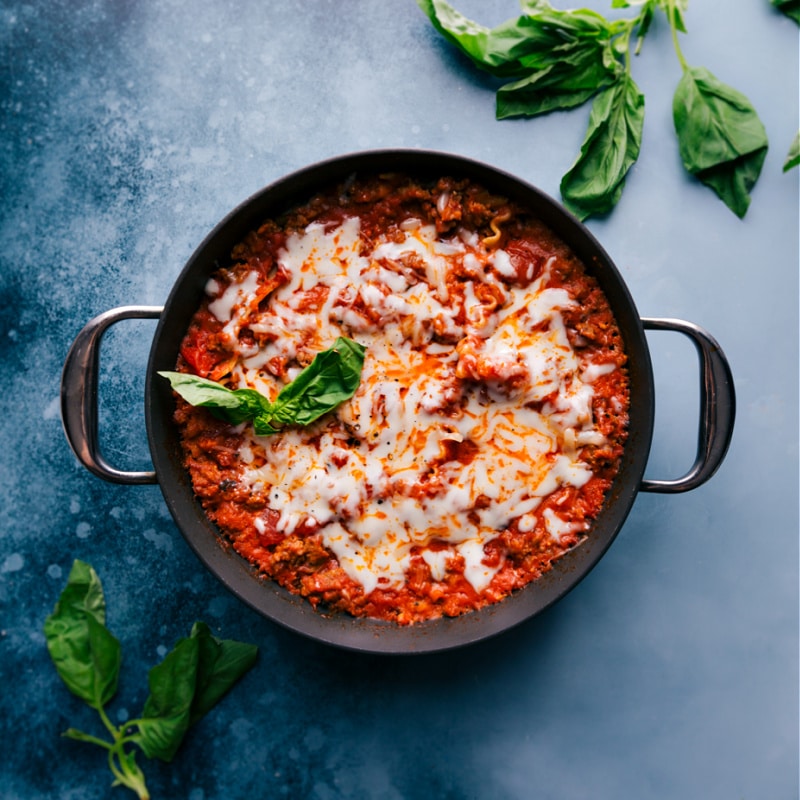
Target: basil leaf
(570,22)
(495,50)
(594,183)
(232,405)
(85,653)
(516,46)
(793,156)
(569,80)
(221,663)
(193,677)
(721,139)
(789,7)
(190,680)
(167,710)
(330,379)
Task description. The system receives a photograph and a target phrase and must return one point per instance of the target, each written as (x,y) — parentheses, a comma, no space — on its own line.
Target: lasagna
(485,431)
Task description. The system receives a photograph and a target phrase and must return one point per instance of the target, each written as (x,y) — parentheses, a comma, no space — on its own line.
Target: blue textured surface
(128,130)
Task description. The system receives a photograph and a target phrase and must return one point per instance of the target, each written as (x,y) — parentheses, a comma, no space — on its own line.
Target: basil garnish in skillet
(330,379)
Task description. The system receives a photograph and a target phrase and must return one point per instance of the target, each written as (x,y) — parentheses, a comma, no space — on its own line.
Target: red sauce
(517,554)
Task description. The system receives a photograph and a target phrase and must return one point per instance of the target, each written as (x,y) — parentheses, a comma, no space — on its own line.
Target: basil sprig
(560,59)
(189,682)
(330,379)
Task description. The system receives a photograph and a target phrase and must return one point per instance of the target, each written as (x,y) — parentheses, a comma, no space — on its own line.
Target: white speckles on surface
(54,571)
(83,530)
(52,410)
(12,563)
(217,607)
(162,541)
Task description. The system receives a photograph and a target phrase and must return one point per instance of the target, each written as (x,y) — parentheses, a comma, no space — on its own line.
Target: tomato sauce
(491,249)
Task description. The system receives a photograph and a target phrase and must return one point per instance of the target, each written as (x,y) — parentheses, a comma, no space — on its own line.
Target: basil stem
(328,381)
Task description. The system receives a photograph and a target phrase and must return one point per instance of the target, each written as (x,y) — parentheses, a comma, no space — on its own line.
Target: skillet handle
(717,407)
(79,380)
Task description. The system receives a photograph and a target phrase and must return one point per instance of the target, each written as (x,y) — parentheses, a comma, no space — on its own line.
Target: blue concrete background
(128,130)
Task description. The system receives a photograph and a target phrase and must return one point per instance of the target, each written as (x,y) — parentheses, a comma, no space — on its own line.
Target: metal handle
(79,380)
(717,407)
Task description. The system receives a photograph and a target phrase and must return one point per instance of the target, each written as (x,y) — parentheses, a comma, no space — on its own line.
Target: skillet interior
(290,610)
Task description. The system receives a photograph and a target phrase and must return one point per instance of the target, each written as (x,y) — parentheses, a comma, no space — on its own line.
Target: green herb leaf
(571,77)
(789,7)
(167,710)
(644,20)
(721,138)
(559,59)
(577,60)
(567,23)
(516,47)
(85,653)
(793,156)
(232,405)
(193,677)
(330,379)
(594,183)
(221,663)
(497,50)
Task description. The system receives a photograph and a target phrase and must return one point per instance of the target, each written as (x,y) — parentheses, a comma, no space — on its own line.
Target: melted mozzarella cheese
(386,482)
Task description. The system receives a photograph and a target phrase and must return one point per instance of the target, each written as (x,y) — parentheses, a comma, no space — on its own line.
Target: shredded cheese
(403,488)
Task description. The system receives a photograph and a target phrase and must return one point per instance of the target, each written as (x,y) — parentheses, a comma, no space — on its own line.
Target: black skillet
(79,411)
